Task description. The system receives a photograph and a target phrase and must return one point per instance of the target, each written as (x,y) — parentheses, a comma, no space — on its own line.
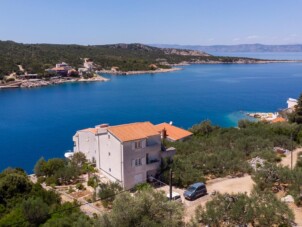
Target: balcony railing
(150,161)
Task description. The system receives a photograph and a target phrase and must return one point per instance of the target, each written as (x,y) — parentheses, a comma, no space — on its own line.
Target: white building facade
(128,154)
(291,103)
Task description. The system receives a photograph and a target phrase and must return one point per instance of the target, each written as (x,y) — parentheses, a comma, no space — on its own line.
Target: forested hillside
(36,58)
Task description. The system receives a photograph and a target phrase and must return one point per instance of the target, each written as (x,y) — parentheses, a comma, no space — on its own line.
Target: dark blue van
(195,190)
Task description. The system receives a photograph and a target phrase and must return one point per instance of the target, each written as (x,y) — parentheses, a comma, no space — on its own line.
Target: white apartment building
(291,103)
(128,153)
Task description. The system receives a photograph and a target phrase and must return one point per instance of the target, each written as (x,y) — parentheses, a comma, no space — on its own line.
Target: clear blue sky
(204,22)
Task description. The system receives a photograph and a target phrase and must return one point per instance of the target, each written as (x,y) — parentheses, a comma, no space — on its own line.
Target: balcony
(168,152)
(152,148)
(153,164)
(150,161)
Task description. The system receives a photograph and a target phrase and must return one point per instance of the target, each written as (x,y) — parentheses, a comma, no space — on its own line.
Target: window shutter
(144,144)
(143,161)
(133,162)
(133,145)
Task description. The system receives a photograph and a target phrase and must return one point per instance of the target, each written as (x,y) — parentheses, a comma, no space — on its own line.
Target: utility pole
(291,153)
(170,183)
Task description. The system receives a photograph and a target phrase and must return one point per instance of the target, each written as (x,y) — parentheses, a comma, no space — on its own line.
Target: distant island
(33,65)
(236,48)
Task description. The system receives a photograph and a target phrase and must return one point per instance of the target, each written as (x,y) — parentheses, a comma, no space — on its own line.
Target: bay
(41,121)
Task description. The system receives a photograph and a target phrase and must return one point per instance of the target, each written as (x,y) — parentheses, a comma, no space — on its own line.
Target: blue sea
(41,121)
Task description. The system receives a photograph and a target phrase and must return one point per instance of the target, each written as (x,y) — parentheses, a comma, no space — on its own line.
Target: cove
(41,121)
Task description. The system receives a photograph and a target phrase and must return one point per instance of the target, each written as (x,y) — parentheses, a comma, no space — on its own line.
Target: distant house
(291,103)
(88,64)
(114,68)
(60,69)
(128,153)
(82,71)
(63,65)
(153,66)
(172,133)
(278,119)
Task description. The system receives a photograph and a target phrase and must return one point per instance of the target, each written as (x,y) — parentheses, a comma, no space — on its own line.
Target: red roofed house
(128,153)
(278,119)
(172,133)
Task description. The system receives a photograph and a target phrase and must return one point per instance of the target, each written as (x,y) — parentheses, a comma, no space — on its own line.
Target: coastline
(138,72)
(43,83)
(241,61)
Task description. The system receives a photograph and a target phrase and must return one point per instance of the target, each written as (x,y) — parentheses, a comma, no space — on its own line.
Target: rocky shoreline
(203,62)
(138,72)
(43,83)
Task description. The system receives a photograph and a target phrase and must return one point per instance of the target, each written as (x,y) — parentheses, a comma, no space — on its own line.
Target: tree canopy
(216,152)
(258,209)
(146,208)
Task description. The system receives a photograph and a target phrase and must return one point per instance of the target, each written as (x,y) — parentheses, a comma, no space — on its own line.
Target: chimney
(102,128)
(164,134)
(104,125)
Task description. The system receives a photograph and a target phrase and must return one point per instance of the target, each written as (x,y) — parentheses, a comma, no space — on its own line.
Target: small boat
(68,154)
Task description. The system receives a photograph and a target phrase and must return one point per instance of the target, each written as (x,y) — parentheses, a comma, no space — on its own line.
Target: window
(138,144)
(108,136)
(137,162)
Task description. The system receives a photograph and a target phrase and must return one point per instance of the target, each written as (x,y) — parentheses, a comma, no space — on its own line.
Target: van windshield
(191,189)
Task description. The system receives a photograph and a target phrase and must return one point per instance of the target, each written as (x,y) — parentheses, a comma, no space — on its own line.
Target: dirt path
(286,161)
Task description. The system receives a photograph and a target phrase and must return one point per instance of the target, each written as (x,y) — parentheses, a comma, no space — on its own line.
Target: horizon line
(150,44)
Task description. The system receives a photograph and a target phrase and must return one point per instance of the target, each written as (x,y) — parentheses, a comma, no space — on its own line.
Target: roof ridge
(133,123)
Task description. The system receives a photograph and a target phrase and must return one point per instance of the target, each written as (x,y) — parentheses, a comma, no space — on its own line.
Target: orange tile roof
(173,132)
(278,119)
(58,69)
(133,131)
(92,130)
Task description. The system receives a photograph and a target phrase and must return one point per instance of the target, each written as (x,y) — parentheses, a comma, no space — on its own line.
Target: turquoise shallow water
(41,121)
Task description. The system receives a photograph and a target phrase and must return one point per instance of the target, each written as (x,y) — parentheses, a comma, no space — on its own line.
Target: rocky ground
(42,82)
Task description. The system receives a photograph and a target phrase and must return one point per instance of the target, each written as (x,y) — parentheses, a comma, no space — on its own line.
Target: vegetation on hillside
(58,171)
(23,203)
(35,58)
(273,178)
(147,208)
(258,209)
(216,152)
(296,116)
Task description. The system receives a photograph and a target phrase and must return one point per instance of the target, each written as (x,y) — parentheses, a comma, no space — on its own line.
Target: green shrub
(107,192)
(142,187)
(52,180)
(93,182)
(242,210)
(80,186)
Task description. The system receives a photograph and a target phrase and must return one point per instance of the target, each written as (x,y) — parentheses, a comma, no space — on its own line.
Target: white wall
(110,157)
(291,103)
(115,159)
(86,142)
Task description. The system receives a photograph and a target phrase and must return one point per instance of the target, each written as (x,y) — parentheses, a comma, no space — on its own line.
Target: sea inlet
(41,121)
